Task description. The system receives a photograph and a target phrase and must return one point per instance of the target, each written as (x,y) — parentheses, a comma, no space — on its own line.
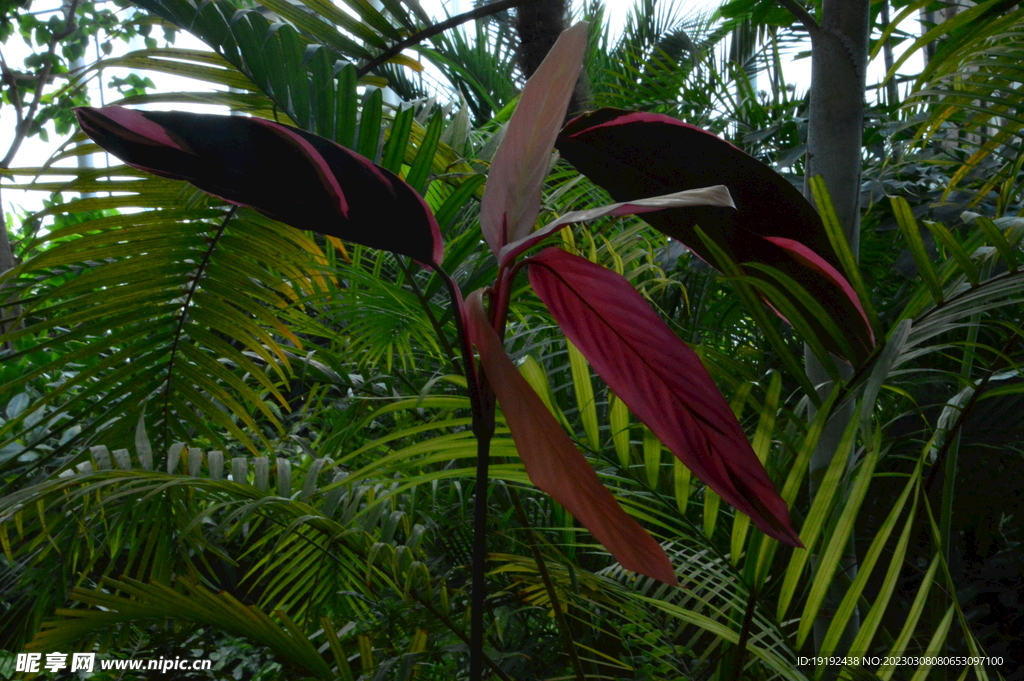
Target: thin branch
(549,586)
(478,13)
(21,130)
(741,646)
(801,13)
(478,595)
(11,78)
(442,338)
(457,631)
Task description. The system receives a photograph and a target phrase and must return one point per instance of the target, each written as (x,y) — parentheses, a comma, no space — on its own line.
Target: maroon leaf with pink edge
(633,155)
(660,379)
(511,198)
(808,258)
(553,462)
(285,173)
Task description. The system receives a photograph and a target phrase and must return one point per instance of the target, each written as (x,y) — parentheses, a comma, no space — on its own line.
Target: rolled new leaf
(511,198)
(661,380)
(287,174)
(553,462)
(634,155)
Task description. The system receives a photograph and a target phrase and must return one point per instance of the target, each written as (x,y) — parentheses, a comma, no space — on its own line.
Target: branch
(44,74)
(11,79)
(425,602)
(801,13)
(549,586)
(442,337)
(478,13)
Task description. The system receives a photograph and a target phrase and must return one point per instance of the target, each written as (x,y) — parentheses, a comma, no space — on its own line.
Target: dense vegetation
(253,444)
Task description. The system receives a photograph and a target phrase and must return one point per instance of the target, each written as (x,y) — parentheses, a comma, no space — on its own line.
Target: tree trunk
(835,130)
(538,24)
(839,59)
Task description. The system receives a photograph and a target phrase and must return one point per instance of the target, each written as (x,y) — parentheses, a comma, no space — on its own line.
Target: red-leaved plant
(678,176)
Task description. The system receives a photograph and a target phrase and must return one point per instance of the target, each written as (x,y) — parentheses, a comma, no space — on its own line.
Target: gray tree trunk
(839,59)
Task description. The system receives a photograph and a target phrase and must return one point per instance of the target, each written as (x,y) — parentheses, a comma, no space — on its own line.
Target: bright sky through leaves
(34,151)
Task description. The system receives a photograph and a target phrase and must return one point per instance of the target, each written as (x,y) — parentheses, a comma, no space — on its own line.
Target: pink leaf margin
(131,121)
(808,258)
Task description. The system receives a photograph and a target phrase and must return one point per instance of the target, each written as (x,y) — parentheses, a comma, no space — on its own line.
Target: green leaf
(583,388)
(420,169)
(398,139)
(652,457)
(369,124)
(618,422)
(908,225)
(955,250)
(828,560)
(841,246)
(995,237)
(761,444)
(821,505)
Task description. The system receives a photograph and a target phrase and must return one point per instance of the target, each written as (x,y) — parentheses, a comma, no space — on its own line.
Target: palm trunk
(839,60)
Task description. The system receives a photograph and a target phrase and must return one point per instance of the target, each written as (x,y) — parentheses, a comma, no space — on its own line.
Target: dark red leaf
(553,462)
(634,155)
(285,173)
(661,380)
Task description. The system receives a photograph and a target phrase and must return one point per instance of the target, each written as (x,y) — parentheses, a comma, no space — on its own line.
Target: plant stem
(481,399)
(425,304)
(478,575)
(425,602)
(741,647)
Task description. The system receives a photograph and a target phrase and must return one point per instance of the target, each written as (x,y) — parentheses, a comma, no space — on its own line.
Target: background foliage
(250,442)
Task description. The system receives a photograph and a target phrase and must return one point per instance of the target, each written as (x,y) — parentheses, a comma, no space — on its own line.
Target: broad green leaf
(535,375)
(398,139)
(420,169)
(369,124)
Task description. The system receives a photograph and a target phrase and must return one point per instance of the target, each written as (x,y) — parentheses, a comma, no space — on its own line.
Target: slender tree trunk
(839,59)
(835,130)
(538,24)
(891,87)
